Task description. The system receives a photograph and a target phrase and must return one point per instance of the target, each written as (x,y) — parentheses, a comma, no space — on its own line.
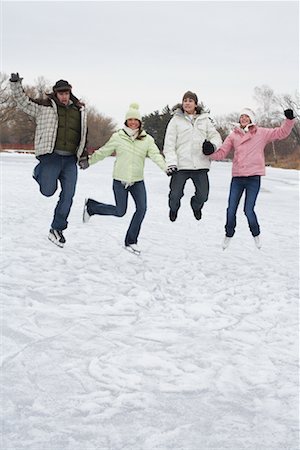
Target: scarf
(133,134)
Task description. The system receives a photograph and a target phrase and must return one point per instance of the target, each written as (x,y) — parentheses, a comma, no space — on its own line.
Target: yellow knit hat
(133,112)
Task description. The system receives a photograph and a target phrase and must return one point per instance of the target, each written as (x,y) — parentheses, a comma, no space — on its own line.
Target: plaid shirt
(46,118)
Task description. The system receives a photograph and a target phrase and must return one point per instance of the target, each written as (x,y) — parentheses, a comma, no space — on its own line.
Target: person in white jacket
(190,137)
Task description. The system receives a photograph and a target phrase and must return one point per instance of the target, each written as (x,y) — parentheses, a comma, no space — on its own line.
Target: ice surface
(186,347)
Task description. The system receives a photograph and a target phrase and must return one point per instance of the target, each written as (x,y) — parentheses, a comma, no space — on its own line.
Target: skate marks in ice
(193,348)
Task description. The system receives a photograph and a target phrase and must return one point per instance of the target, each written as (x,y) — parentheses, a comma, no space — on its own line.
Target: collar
(132,134)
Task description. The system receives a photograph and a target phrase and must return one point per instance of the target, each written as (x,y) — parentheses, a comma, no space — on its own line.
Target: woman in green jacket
(131,145)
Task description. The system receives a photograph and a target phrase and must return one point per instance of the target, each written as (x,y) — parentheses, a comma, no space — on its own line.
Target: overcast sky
(114,53)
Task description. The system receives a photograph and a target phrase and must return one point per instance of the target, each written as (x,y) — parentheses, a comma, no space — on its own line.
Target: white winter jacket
(46,118)
(184,139)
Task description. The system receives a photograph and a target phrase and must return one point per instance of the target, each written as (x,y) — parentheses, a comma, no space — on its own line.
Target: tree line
(269,113)
(17,128)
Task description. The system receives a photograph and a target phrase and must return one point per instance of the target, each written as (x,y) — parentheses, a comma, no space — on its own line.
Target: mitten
(207,148)
(15,77)
(289,114)
(83,162)
(171,170)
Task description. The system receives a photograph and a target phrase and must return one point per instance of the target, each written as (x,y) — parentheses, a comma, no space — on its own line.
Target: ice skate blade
(131,250)
(54,241)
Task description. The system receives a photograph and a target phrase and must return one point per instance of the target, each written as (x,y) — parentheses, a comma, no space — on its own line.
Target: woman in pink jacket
(248,142)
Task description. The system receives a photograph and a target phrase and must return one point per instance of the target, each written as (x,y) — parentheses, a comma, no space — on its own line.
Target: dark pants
(138,193)
(51,169)
(177,183)
(251,186)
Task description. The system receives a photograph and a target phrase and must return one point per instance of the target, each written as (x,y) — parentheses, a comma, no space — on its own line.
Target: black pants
(177,183)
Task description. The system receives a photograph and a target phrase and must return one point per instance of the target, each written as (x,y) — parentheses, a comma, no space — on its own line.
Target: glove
(207,148)
(15,77)
(83,162)
(171,170)
(289,114)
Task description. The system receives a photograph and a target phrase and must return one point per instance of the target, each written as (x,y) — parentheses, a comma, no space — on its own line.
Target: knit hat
(62,85)
(190,95)
(133,112)
(248,112)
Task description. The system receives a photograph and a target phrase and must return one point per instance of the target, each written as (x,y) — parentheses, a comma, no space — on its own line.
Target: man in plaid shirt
(59,143)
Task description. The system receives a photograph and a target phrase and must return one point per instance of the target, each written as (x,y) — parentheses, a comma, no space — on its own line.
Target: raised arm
(282,132)
(22,100)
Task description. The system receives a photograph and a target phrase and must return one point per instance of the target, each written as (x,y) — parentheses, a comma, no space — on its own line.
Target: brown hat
(62,85)
(191,95)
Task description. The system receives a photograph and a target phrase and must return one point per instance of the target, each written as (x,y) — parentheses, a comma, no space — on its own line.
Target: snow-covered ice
(186,347)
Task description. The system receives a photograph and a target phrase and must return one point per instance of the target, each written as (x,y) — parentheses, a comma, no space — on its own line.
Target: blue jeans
(251,186)
(138,193)
(51,169)
(177,183)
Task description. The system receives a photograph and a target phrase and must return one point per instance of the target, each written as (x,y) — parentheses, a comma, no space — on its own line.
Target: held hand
(207,148)
(289,114)
(171,170)
(84,162)
(14,77)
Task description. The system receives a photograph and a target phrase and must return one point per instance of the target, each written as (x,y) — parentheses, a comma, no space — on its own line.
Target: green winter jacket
(130,155)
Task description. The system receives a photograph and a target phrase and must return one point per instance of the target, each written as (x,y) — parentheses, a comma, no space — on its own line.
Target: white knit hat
(133,112)
(248,112)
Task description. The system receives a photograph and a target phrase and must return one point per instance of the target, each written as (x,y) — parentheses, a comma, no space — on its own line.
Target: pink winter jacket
(249,157)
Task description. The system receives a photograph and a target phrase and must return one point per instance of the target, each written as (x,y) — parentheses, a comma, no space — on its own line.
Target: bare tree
(100,128)
(270,114)
(266,100)
(41,88)
(16,127)
(6,104)
(288,101)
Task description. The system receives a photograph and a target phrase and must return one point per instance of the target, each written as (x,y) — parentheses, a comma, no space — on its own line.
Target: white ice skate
(257,241)
(226,242)
(133,248)
(57,237)
(85,215)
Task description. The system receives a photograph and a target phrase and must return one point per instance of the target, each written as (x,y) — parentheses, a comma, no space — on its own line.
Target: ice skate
(57,237)
(226,242)
(133,248)
(257,241)
(85,215)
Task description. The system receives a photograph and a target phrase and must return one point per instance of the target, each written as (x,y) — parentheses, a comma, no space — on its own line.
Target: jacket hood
(177,109)
(74,99)
(52,96)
